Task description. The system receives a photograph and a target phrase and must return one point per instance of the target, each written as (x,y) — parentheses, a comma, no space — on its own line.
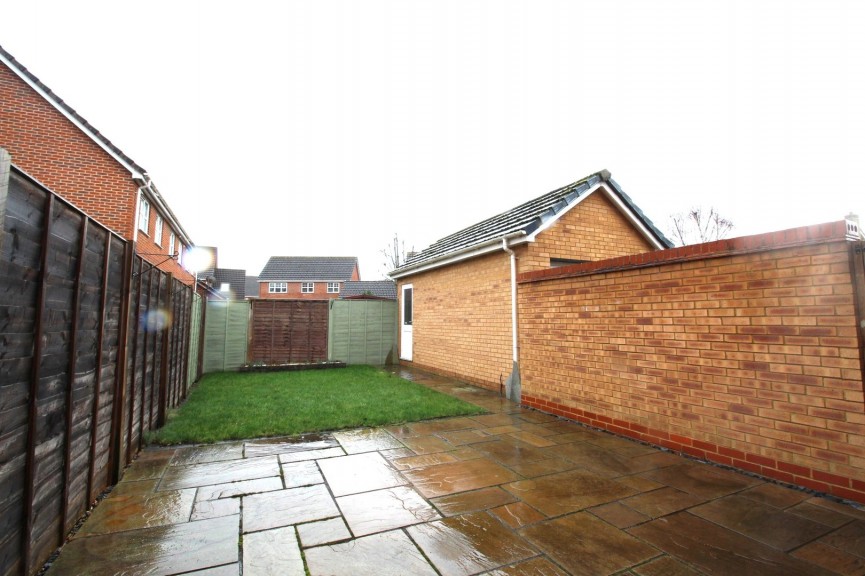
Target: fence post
(72,368)
(35,375)
(114,463)
(166,342)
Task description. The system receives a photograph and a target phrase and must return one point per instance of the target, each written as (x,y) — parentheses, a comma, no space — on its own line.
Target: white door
(405,329)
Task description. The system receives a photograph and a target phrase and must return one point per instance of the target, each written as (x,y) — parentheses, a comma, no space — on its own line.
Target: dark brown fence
(93,350)
(288,331)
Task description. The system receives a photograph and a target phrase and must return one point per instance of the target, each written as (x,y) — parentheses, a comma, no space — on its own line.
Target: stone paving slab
(511,493)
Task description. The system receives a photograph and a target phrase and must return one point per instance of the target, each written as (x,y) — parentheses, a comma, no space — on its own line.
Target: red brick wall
(744,352)
(319,290)
(294,293)
(45,144)
(462,312)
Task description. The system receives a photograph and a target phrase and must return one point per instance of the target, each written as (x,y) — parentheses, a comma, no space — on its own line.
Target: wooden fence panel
(84,352)
(289,331)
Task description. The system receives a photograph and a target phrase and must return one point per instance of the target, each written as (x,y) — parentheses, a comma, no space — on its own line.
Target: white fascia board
(487,247)
(132,170)
(622,207)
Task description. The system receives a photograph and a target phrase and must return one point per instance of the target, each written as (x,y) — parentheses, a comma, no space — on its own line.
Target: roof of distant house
(308,269)
(530,218)
(374,288)
(235,278)
(252,286)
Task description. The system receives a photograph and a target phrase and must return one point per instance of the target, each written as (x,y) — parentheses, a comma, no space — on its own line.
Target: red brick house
(52,143)
(458,297)
(306,277)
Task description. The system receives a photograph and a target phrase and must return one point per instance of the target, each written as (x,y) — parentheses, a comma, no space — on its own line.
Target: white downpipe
(513,295)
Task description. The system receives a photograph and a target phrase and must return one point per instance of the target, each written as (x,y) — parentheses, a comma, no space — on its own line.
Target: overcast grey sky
(322,128)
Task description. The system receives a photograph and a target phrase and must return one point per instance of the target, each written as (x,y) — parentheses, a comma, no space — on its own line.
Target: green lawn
(232,406)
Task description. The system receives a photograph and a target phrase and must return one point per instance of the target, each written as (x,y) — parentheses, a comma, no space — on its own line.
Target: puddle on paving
(284,507)
(383,510)
(566,492)
(219,472)
(272,552)
(385,554)
(359,473)
(461,476)
(288,445)
(584,544)
(469,544)
(366,440)
(131,511)
(162,550)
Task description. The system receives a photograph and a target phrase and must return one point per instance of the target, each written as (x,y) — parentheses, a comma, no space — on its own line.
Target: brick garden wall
(745,352)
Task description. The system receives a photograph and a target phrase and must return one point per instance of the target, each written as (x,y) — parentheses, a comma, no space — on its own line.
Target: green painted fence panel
(226,330)
(362,331)
(195,335)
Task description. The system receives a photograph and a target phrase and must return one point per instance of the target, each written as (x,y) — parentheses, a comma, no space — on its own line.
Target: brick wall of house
(744,352)
(46,145)
(462,319)
(462,312)
(319,292)
(592,230)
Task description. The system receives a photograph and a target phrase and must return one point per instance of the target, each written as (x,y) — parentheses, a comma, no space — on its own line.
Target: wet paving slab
(510,493)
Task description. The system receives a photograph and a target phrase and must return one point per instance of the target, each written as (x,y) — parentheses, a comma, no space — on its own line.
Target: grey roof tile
(236,279)
(308,269)
(377,288)
(252,286)
(525,218)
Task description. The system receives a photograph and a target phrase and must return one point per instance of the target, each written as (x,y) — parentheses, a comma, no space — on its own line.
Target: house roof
(308,269)
(525,221)
(135,170)
(252,286)
(235,278)
(375,288)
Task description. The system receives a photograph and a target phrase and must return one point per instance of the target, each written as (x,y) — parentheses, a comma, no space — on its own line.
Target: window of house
(180,249)
(157,233)
(307,287)
(143,215)
(171,241)
(333,287)
(277,287)
(559,262)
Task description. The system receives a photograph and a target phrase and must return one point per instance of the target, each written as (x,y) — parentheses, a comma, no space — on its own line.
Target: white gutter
(133,171)
(513,296)
(487,247)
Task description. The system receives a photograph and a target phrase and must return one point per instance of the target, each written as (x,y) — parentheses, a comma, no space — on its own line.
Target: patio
(515,492)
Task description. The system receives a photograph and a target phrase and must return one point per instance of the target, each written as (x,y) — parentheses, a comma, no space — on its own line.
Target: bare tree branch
(696,227)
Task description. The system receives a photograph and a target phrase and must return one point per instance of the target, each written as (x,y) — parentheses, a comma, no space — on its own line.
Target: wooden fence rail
(94,347)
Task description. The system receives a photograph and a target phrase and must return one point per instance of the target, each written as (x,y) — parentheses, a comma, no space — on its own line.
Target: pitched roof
(135,170)
(308,269)
(235,278)
(530,218)
(375,288)
(252,286)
